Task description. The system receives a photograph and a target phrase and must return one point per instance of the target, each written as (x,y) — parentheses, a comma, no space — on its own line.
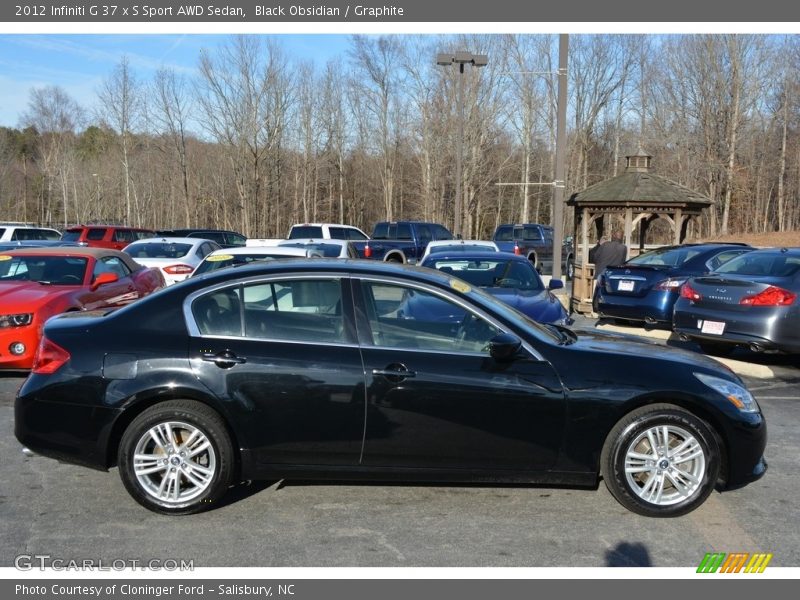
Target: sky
(79,63)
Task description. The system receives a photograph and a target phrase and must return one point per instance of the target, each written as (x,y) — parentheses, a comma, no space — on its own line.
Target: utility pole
(561,154)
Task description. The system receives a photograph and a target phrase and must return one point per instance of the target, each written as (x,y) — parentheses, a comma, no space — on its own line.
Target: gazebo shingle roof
(640,188)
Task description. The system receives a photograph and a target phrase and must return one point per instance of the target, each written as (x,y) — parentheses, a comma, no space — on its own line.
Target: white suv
(327,231)
(15,232)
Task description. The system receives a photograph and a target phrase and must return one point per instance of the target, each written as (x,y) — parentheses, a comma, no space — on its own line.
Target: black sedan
(305,369)
(647,286)
(751,301)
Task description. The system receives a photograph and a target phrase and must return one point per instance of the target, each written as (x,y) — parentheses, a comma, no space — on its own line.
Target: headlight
(735,393)
(15,320)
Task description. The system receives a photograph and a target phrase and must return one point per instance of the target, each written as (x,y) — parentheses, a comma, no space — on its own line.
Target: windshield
(55,270)
(158,250)
(491,273)
(71,236)
(776,264)
(514,316)
(670,257)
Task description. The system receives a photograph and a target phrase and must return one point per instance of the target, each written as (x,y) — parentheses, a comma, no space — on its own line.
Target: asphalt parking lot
(74,513)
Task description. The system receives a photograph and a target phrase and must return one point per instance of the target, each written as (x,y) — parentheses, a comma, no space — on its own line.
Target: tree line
(255,139)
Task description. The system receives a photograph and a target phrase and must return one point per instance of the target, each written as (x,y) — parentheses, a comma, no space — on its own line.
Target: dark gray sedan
(750,301)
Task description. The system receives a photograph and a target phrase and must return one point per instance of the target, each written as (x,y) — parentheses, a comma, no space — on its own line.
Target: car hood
(540,305)
(28,295)
(623,344)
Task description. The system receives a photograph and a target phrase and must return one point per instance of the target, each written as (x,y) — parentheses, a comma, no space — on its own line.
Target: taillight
(689,292)
(178,269)
(517,249)
(49,358)
(772,296)
(669,285)
(367,251)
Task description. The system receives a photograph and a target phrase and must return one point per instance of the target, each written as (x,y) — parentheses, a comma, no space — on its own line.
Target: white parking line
(777,397)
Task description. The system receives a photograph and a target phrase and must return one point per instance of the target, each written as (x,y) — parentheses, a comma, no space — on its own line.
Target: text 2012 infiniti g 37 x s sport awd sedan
(305,368)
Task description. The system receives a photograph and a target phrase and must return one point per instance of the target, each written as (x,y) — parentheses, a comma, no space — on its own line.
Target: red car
(37,283)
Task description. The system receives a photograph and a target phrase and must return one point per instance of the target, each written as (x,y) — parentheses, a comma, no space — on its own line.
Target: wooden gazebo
(634,199)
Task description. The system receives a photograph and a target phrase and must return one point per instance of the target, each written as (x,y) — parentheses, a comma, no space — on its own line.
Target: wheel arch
(150,398)
(395,256)
(683,401)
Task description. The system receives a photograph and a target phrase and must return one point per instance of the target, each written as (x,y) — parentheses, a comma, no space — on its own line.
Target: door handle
(395,372)
(225,359)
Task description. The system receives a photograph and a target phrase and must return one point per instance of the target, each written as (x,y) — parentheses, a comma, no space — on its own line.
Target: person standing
(609,254)
(593,249)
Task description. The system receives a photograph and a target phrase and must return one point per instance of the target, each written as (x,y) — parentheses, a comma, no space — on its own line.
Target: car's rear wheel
(177,458)
(661,461)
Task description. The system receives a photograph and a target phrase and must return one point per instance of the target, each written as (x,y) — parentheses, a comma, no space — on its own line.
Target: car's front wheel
(177,457)
(661,461)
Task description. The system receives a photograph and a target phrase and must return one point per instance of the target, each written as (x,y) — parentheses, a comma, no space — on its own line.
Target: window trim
(362,321)
(347,310)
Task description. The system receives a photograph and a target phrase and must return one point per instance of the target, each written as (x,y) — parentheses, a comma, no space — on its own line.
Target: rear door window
(96,233)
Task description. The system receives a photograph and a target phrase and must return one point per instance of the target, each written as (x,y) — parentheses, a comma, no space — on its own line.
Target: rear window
(305,231)
(220,261)
(381,231)
(776,264)
(326,250)
(158,250)
(33,233)
(665,257)
(504,234)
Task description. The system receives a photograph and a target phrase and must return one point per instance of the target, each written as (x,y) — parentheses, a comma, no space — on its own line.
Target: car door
(283,355)
(117,293)
(435,398)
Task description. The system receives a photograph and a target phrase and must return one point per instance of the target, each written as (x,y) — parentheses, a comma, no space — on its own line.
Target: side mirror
(103,279)
(504,347)
(555,284)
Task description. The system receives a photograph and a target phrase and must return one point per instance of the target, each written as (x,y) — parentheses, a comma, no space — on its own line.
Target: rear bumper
(771,328)
(68,432)
(655,306)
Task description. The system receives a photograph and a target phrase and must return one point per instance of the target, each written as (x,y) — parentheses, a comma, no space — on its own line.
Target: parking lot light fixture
(460,58)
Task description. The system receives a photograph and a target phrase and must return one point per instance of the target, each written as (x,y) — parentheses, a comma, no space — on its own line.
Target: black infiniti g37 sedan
(314,369)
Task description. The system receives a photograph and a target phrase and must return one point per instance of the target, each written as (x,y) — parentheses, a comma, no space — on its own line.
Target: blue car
(646,287)
(510,278)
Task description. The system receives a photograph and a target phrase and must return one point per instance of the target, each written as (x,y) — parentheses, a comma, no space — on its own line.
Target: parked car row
(720,295)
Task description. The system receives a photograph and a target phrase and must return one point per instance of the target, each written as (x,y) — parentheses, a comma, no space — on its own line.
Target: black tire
(570,269)
(217,461)
(630,435)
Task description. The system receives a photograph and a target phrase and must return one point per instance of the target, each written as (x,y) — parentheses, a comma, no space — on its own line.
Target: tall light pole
(460,59)
(561,153)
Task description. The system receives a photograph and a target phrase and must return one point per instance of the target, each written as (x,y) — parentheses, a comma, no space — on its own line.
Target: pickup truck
(401,241)
(535,242)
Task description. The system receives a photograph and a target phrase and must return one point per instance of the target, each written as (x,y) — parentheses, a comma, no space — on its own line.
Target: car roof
(100,225)
(259,250)
(171,240)
(297,241)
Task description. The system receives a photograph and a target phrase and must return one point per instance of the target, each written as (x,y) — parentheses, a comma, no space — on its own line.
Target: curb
(737,366)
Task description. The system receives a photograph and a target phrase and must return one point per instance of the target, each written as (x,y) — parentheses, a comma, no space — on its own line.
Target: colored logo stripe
(734,562)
